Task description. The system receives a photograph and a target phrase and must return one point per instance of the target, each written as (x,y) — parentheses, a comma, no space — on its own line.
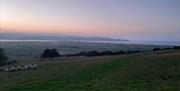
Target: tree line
(167,48)
(96,53)
(50,53)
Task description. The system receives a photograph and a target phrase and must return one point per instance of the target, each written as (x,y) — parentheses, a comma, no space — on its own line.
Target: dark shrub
(156,49)
(82,53)
(3,58)
(129,52)
(54,53)
(168,48)
(50,53)
(106,53)
(46,53)
(176,47)
(137,51)
(92,53)
(120,52)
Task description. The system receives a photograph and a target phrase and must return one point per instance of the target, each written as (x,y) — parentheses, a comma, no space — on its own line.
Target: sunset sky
(127,19)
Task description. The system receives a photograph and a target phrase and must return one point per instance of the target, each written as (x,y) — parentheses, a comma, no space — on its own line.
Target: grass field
(26,50)
(158,71)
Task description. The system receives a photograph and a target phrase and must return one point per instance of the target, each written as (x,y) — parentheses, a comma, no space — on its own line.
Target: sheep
(33,66)
(6,69)
(13,69)
(21,67)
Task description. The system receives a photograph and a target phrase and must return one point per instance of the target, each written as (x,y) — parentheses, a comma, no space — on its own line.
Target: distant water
(14,40)
(171,43)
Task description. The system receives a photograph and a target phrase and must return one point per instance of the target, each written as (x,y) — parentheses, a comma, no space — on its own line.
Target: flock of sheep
(21,67)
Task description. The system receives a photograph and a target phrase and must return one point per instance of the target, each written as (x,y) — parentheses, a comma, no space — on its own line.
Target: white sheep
(6,69)
(22,67)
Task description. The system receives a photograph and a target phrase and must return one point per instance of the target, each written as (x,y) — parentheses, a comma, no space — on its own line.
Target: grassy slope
(153,72)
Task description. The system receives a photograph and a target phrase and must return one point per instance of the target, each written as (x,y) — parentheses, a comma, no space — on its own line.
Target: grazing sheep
(6,69)
(12,69)
(21,67)
(33,66)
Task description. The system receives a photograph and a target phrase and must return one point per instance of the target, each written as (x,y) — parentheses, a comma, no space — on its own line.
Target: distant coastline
(19,36)
(168,43)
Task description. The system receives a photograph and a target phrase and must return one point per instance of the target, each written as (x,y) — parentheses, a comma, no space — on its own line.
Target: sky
(128,19)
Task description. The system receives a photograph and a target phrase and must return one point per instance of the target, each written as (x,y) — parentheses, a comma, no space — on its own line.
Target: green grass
(151,72)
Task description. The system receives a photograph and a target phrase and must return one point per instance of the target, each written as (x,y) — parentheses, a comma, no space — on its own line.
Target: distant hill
(20,36)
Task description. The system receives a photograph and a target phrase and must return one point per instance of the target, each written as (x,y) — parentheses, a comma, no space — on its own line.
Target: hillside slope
(140,72)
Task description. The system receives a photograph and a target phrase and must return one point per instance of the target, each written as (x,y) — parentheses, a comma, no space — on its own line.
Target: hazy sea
(171,43)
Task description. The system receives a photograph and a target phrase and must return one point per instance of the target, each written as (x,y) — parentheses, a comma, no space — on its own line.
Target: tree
(107,53)
(92,53)
(121,52)
(54,53)
(45,54)
(3,57)
(82,53)
(50,53)
(156,49)
(176,47)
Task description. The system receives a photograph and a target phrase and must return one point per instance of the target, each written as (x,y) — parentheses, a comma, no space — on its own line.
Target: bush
(156,49)
(107,53)
(168,48)
(120,52)
(92,53)
(82,53)
(176,47)
(50,53)
(3,58)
